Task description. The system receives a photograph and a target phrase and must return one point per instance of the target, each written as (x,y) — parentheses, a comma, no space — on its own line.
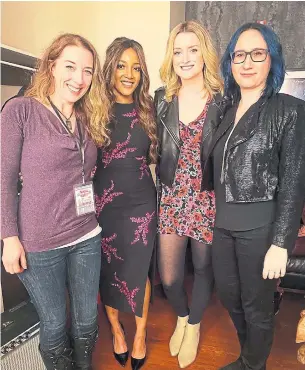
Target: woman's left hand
(275,262)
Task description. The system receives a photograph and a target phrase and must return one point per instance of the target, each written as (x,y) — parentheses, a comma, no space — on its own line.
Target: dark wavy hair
(277,70)
(143,100)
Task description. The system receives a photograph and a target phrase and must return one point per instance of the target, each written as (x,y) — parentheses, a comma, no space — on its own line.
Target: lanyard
(79,143)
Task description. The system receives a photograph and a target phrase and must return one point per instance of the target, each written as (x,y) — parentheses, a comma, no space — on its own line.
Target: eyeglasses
(256,55)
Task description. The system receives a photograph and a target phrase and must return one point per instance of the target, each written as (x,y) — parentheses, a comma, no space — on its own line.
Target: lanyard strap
(79,143)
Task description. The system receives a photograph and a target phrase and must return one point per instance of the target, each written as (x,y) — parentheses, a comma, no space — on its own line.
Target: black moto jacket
(168,132)
(265,160)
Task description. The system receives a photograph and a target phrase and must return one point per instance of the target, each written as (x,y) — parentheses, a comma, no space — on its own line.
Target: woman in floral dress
(126,196)
(187,109)
(184,209)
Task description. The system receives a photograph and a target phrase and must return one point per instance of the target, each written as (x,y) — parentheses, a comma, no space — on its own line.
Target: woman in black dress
(126,196)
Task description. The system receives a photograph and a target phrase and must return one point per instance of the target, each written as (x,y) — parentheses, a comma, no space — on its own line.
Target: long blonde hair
(143,100)
(212,81)
(93,107)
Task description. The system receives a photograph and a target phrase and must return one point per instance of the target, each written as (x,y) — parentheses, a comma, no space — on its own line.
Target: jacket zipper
(222,176)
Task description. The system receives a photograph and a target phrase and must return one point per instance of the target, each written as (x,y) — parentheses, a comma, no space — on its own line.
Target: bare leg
(139,345)
(119,343)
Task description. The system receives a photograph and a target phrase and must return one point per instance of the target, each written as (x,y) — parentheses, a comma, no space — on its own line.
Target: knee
(172,285)
(86,317)
(229,296)
(263,320)
(260,313)
(84,322)
(53,322)
(203,269)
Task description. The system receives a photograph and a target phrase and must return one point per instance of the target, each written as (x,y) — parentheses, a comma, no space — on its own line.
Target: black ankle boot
(236,365)
(82,351)
(59,359)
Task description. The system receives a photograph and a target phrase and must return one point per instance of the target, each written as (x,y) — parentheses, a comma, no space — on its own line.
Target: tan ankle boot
(177,337)
(189,346)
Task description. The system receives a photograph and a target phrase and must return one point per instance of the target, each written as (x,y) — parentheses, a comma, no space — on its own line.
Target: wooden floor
(218,343)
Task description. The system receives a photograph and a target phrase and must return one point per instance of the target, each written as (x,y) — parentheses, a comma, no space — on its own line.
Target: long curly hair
(93,107)
(143,100)
(212,81)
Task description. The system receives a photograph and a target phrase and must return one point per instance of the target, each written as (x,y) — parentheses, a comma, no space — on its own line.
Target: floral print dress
(125,197)
(184,209)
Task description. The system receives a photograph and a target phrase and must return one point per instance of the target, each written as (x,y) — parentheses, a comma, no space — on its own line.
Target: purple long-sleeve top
(34,142)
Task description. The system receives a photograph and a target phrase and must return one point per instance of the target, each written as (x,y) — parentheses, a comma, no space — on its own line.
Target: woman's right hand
(13,257)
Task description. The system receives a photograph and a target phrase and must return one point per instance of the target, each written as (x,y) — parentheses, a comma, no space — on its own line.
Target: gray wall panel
(222,18)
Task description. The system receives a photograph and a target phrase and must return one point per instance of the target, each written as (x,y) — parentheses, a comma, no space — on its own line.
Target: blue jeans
(50,275)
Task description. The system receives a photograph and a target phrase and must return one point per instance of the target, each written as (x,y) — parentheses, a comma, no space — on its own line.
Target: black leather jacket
(168,132)
(265,160)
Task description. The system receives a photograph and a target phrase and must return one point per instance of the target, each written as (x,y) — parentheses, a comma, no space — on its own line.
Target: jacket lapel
(172,122)
(248,125)
(222,129)
(162,107)
(214,116)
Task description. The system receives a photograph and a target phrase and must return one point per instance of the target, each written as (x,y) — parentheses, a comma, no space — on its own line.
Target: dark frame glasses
(256,55)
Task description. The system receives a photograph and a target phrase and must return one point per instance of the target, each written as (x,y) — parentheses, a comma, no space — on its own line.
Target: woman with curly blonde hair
(51,235)
(126,196)
(189,107)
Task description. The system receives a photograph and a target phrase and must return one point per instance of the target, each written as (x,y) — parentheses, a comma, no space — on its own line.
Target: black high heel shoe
(137,363)
(121,358)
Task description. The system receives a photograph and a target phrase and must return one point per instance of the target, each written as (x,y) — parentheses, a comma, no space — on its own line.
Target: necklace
(68,120)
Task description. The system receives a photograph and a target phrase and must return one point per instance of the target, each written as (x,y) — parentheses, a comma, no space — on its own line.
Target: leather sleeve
(157,97)
(291,185)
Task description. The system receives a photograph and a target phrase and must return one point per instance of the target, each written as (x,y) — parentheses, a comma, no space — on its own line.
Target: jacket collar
(170,116)
(169,112)
(162,107)
(244,129)
(248,124)
(222,129)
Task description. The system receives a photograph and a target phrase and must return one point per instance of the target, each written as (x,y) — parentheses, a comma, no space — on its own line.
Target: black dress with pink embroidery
(125,198)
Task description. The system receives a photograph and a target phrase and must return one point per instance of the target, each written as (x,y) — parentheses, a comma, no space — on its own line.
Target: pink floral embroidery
(143,228)
(107,197)
(133,115)
(119,152)
(108,249)
(133,122)
(129,295)
(144,167)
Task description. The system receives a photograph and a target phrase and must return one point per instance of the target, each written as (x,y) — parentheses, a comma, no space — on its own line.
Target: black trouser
(238,259)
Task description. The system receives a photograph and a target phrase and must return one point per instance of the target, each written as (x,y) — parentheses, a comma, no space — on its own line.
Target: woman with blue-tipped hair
(256,165)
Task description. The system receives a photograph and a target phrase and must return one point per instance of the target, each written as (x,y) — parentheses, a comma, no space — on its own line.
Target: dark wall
(222,19)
